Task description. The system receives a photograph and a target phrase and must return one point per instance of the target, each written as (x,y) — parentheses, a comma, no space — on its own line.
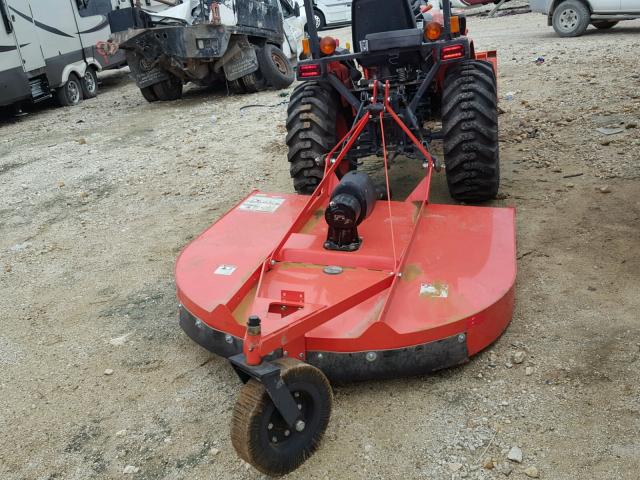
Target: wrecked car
(249,45)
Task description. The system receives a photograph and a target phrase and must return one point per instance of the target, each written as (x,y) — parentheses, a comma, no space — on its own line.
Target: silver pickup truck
(570,18)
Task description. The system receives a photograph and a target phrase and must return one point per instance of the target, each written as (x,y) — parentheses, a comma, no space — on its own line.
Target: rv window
(8,26)
(87,8)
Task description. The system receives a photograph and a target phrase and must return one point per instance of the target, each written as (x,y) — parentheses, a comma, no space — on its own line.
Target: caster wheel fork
(259,432)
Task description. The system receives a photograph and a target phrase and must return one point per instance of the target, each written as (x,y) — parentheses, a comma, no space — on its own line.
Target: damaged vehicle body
(248,45)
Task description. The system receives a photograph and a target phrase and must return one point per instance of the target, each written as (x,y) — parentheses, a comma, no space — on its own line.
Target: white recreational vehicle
(48,47)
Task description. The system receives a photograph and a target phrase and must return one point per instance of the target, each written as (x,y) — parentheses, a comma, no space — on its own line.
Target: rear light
(451,52)
(306,49)
(432,31)
(328,45)
(454,25)
(309,70)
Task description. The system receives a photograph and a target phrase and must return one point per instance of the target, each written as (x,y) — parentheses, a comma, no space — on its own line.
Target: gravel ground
(96,378)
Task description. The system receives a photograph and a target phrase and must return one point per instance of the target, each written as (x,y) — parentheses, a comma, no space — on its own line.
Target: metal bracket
(268,374)
(424,85)
(344,91)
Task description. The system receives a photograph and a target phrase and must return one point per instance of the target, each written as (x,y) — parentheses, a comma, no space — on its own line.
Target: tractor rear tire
(311,132)
(470,130)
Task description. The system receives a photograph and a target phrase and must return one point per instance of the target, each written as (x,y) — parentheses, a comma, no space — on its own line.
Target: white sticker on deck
(225,270)
(261,203)
(434,290)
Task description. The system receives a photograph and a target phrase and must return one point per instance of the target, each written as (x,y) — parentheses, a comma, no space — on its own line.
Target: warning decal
(261,203)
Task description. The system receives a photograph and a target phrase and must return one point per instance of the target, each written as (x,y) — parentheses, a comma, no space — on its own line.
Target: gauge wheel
(260,435)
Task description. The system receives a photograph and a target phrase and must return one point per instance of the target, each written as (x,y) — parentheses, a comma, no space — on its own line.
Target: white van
(330,13)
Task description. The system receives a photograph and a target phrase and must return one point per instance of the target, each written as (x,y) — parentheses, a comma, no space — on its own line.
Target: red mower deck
(429,286)
(453,298)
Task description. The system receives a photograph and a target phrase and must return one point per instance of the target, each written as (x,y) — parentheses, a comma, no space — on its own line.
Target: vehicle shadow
(619,29)
(592,32)
(196,93)
(110,79)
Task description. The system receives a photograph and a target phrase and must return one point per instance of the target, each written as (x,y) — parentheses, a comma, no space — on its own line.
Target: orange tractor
(346,282)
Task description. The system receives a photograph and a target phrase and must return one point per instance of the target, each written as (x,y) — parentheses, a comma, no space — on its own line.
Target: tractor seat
(385,24)
(410,37)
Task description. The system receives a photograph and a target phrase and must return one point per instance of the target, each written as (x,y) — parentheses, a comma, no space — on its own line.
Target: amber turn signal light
(328,45)
(432,31)
(455,24)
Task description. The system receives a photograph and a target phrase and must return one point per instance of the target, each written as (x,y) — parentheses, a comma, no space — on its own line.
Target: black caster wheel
(260,435)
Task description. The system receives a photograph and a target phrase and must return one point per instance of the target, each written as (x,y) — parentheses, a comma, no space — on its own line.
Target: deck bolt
(287,433)
(274,439)
(461,338)
(371,356)
(300,425)
(273,262)
(270,426)
(285,353)
(296,394)
(228,338)
(301,355)
(299,406)
(320,356)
